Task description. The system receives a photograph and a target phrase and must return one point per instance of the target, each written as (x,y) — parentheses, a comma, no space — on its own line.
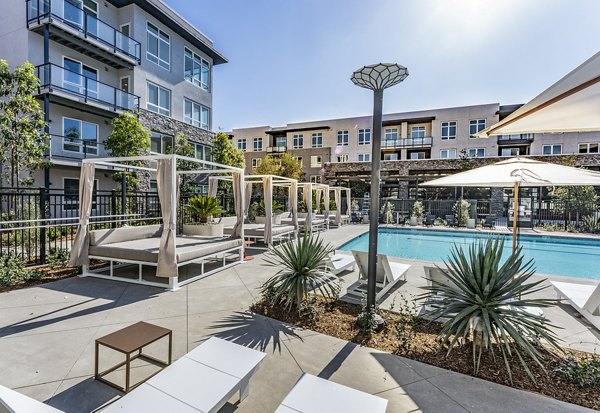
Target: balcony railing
(523,138)
(407,143)
(55,77)
(72,147)
(276,149)
(70,13)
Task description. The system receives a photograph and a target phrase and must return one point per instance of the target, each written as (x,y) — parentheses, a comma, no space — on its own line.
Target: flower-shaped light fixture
(379,76)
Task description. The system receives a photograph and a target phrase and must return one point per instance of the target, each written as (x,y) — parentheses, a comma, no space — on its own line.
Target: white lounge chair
(338,263)
(312,394)
(14,402)
(388,274)
(201,381)
(584,298)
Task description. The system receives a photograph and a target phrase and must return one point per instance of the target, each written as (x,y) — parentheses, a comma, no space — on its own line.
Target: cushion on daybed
(228,222)
(275,230)
(111,236)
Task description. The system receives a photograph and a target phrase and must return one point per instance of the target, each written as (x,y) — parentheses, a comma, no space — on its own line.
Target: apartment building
(447,133)
(98,58)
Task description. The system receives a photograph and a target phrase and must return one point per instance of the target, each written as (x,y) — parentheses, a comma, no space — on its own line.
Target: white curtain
(319,193)
(337,192)
(268,194)
(348,201)
(79,248)
(307,196)
(167,195)
(248,198)
(213,184)
(238,198)
(293,194)
(326,202)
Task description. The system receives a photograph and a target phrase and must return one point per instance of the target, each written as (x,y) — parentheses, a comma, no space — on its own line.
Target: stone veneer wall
(170,126)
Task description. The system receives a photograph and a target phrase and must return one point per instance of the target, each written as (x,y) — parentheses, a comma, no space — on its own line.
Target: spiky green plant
(486,302)
(275,207)
(204,207)
(302,269)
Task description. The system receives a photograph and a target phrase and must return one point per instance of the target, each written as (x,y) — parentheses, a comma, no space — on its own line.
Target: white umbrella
(518,172)
(570,105)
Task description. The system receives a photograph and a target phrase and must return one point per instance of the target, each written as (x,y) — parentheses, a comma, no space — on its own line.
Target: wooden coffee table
(128,341)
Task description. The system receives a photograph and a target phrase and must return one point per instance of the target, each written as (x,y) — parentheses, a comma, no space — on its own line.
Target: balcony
(65,84)
(521,139)
(74,149)
(76,28)
(406,143)
(276,149)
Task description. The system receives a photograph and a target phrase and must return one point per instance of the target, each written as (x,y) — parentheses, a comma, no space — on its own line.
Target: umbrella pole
(515,216)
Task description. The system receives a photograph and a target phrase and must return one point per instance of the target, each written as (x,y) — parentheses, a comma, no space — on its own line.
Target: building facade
(96,59)
(447,134)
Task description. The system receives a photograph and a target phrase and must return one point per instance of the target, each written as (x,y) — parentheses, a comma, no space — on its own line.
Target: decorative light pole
(376,77)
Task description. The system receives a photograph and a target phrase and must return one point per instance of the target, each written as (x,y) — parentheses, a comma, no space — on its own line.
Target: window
(364,136)
(317,140)
(588,148)
(196,70)
(202,152)
(417,132)
(161,143)
(71,190)
(390,156)
(448,153)
(316,161)
(552,149)
(364,157)
(256,162)
(391,134)
(298,141)
(159,47)
(257,144)
(417,155)
(342,138)
(509,152)
(281,142)
(195,114)
(476,125)
(342,158)
(242,144)
(299,159)
(476,152)
(74,78)
(159,100)
(80,136)
(449,130)
(315,179)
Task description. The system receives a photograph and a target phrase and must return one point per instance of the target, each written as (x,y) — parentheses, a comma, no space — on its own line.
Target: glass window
(364,157)
(342,158)
(317,140)
(449,130)
(476,152)
(257,144)
(390,156)
(242,144)
(552,149)
(298,141)
(391,134)
(417,155)
(80,136)
(417,132)
(281,141)
(196,70)
(315,179)
(588,148)
(71,190)
(509,152)
(364,136)
(159,100)
(342,138)
(256,162)
(476,125)
(316,161)
(195,114)
(448,153)
(159,47)
(161,143)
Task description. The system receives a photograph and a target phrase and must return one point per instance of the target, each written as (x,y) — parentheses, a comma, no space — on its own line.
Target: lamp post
(376,77)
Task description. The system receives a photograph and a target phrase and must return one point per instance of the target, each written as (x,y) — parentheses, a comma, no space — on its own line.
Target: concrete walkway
(47,345)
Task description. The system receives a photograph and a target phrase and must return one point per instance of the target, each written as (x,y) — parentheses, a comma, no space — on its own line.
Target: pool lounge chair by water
(583,298)
(338,263)
(388,274)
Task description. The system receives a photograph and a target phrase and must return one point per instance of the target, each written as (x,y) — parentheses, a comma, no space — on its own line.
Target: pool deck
(47,344)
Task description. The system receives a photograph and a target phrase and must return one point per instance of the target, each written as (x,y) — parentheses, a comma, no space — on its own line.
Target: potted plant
(302,211)
(416,216)
(387,213)
(203,208)
(260,212)
(354,205)
(461,211)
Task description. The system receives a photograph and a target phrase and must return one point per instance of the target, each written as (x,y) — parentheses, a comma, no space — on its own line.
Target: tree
(285,165)
(184,148)
(22,141)
(224,152)
(128,138)
(581,199)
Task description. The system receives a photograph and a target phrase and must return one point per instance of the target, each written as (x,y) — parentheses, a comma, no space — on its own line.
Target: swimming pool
(552,255)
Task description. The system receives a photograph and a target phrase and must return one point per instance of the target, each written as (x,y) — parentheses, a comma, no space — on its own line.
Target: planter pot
(471,223)
(260,220)
(205,230)
(414,221)
(302,214)
(277,217)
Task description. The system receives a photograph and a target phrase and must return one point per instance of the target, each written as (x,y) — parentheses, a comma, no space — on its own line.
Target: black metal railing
(407,143)
(56,77)
(75,148)
(515,139)
(72,15)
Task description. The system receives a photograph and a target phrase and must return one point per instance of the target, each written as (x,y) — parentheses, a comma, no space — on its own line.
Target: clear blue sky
(291,60)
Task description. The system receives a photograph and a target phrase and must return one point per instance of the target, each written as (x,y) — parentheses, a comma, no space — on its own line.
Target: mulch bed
(338,319)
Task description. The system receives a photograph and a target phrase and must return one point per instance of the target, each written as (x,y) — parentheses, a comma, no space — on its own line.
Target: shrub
(260,208)
(485,303)
(54,233)
(584,372)
(33,275)
(11,270)
(368,317)
(407,322)
(417,210)
(302,269)
(58,258)
(591,223)
(204,207)
(461,211)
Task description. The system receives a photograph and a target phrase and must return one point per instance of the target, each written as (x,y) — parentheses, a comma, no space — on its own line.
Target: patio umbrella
(519,172)
(569,105)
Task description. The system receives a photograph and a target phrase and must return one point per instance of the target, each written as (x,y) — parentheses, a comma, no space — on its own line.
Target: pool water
(552,255)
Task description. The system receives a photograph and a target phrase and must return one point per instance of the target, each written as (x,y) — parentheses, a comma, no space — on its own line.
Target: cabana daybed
(310,221)
(337,218)
(159,246)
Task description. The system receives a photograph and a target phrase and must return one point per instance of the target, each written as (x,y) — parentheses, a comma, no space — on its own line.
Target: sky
(291,60)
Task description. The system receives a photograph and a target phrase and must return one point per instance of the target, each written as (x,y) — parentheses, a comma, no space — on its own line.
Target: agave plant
(486,300)
(302,269)
(204,207)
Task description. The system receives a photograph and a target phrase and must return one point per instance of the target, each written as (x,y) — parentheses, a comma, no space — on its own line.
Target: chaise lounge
(388,274)
(583,298)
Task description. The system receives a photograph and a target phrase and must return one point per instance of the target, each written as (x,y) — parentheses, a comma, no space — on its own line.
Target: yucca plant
(485,301)
(302,269)
(204,207)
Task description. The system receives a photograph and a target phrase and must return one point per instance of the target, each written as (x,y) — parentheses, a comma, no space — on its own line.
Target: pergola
(165,168)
